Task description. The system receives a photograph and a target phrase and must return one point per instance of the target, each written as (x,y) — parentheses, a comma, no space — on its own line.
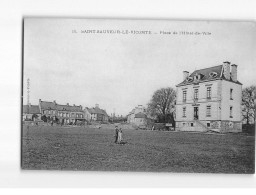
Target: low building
(210,99)
(31,112)
(137,116)
(64,113)
(140,119)
(96,114)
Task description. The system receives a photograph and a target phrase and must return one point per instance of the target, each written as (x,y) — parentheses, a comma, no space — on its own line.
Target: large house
(65,113)
(96,114)
(210,99)
(31,112)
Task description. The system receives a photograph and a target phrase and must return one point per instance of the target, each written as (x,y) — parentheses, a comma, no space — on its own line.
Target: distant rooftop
(54,106)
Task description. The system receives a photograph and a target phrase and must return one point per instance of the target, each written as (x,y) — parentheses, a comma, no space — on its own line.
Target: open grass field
(79,148)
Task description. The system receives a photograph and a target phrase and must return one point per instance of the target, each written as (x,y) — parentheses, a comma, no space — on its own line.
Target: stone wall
(231,126)
(186,126)
(220,126)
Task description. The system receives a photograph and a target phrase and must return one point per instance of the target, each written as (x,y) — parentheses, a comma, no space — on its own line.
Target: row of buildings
(64,113)
(206,99)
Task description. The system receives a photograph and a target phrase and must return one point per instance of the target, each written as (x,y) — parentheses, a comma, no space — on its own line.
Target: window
(209,93)
(231,111)
(184,111)
(184,96)
(192,124)
(208,124)
(208,111)
(231,94)
(196,94)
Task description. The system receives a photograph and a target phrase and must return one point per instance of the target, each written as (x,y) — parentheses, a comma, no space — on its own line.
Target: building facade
(137,116)
(96,114)
(66,114)
(31,113)
(210,99)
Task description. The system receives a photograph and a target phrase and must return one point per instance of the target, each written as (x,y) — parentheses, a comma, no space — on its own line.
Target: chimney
(234,72)
(74,105)
(97,105)
(226,71)
(81,107)
(67,104)
(40,100)
(29,104)
(54,101)
(185,75)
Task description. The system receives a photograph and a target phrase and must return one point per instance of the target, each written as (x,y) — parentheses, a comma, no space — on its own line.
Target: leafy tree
(248,104)
(34,116)
(162,105)
(44,118)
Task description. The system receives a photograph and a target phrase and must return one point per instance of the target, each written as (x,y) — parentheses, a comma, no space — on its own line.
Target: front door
(195,113)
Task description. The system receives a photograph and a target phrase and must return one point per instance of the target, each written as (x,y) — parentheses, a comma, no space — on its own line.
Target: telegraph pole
(28,91)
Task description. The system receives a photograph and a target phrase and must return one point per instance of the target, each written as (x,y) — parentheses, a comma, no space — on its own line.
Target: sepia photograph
(138,95)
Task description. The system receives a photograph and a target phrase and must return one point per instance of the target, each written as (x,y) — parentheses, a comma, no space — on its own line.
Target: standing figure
(116,134)
(119,140)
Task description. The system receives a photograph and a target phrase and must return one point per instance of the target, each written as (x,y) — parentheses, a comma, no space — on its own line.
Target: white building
(137,116)
(210,99)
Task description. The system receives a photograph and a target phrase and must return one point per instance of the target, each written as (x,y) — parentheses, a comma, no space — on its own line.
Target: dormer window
(213,74)
(189,79)
(198,77)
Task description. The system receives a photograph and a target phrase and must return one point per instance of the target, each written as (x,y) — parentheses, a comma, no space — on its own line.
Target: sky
(121,71)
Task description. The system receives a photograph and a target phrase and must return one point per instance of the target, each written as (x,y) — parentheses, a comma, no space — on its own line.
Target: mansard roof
(206,74)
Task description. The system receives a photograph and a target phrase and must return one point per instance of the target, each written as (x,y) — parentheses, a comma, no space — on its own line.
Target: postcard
(138,95)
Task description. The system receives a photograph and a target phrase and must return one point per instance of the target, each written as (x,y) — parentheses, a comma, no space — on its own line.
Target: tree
(34,116)
(248,104)
(162,104)
(44,118)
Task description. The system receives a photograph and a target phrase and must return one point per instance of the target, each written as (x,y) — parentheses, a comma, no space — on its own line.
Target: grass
(80,148)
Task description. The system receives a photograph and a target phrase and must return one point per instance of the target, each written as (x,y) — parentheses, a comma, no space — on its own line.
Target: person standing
(119,140)
(116,134)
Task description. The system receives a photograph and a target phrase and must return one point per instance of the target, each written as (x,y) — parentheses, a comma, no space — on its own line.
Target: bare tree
(162,104)
(248,104)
